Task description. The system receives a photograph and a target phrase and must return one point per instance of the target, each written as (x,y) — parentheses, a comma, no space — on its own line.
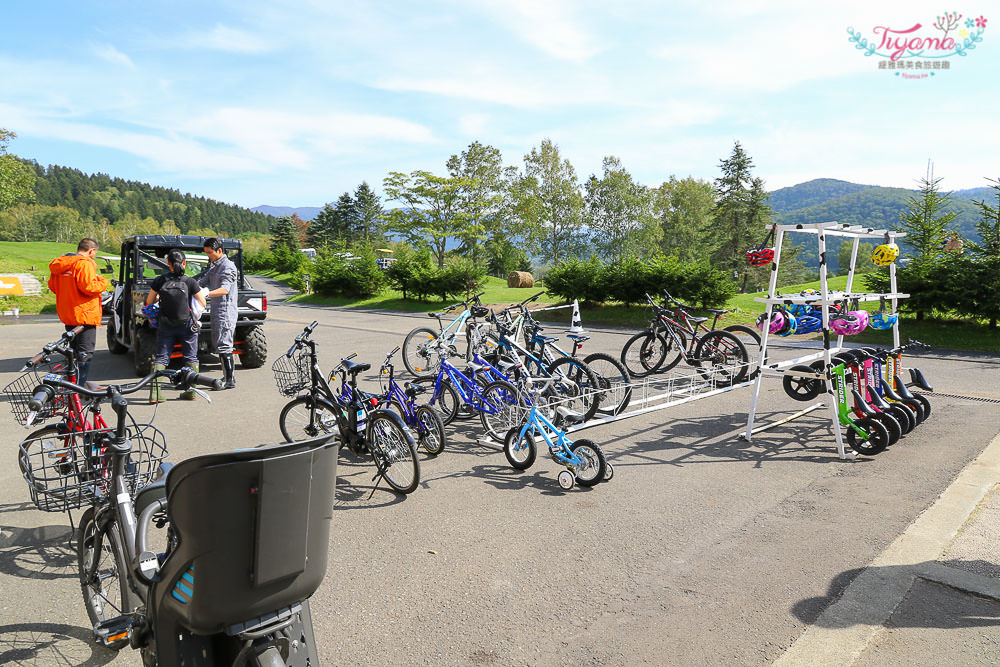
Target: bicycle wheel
(721,355)
(643,353)
(905,415)
(595,464)
(416,357)
(393,451)
(520,452)
(878,437)
(750,338)
(106,593)
(891,425)
(482,342)
(295,418)
(802,388)
(58,462)
(924,403)
(504,408)
(612,378)
(447,401)
(576,386)
(430,430)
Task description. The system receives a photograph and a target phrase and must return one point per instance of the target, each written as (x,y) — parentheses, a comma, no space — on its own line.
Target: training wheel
(609,472)
(566,480)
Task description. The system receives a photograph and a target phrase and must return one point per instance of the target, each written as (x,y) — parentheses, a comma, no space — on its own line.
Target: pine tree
(284,234)
(368,207)
(741,212)
(926,221)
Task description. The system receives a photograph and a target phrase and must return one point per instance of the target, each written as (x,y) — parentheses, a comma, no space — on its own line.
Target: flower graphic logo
(981,22)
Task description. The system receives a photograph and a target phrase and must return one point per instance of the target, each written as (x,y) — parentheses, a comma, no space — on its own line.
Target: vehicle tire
(144,349)
(891,425)
(430,430)
(114,347)
(597,463)
(643,354)
(394,451)
(447,403)
(415,356)
(613,379)
(905,415)
(520,452)
(715,352)
(294,419)
(924,403)
(800,388)
(578,384)
(107,594)
(918,410)
(254,348)
(878,437)
(504,408)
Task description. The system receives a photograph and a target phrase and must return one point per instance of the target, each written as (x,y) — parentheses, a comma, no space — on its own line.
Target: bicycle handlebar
(55,346)
(531,298)
(302,337)
(183,379)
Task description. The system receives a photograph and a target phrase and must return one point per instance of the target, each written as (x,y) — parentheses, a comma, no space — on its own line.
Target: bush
(412,273)
(575,279)
(707,286)
(357,277)
(256,262)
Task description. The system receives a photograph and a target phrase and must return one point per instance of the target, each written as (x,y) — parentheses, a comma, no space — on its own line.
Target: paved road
(702,550)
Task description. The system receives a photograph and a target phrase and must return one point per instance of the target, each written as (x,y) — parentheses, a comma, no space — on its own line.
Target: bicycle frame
(560,447)
(467,389)
(844,409)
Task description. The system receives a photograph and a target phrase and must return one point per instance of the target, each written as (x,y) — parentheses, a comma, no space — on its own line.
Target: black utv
(142,259)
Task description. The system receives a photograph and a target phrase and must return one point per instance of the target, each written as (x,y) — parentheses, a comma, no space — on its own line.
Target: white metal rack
(824,299)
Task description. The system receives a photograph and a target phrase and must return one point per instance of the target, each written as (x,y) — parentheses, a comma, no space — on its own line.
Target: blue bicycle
(585,461)
(423,420)
(420,344)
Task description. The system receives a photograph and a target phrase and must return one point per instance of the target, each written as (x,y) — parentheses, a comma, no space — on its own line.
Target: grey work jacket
(222,273)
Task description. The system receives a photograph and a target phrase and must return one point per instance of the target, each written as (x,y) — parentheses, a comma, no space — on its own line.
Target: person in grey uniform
(220,278)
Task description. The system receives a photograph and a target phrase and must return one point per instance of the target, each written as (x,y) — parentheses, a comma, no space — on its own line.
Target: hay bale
(520,279)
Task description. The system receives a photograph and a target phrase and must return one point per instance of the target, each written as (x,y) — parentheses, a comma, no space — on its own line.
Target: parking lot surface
(703,549)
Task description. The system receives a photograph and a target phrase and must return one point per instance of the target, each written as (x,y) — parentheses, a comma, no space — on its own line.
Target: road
(703,549)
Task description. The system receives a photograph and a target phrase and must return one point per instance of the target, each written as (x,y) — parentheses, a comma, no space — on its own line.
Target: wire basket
(67,471)
(293,374)
(22,388)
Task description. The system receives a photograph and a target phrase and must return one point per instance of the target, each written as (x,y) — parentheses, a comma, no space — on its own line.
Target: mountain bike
(424,421)
(674,335)
(419,343)
(585,461)
(246,543)
(318,409)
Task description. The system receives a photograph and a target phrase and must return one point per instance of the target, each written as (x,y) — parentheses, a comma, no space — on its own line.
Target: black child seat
(253,532)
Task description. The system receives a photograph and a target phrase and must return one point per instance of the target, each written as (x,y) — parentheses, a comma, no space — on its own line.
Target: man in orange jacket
(78,287)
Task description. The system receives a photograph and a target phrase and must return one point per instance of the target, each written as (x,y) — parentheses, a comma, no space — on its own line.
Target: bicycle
(715,353)
(422,419)
(362,427)
(246,545)
(584,460)
(419,343)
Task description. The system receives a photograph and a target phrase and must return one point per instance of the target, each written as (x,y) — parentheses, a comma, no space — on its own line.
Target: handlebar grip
(34,360)
(191,377)
(309,329)
(394,350)
(350,356)
(43,394)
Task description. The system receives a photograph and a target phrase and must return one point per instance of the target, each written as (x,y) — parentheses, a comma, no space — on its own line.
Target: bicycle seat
(436,316)
(716,311)
(698,320)
(579,338)
(253,529)
(353,368)
(546,339)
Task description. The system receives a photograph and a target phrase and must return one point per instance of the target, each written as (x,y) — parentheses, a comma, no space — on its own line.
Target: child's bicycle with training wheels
(420,344)
(424,421)
(585,461)
(317,409)
(246,544)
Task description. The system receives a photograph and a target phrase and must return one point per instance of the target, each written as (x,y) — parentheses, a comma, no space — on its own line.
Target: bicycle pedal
(114,632)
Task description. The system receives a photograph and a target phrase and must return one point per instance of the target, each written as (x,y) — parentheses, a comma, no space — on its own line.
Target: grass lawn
(34,258)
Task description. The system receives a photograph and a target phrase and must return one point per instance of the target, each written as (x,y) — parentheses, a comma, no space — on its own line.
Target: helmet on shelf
(798,310)
(881,321)
(808,324)
(760,256)
(850,323)
(779,319)
(885,254)
(791,326)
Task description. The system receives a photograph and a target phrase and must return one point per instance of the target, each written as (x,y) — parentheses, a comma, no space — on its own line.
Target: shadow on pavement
(50,644)
(46,552)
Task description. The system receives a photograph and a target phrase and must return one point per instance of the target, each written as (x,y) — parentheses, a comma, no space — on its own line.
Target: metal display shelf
(824,297)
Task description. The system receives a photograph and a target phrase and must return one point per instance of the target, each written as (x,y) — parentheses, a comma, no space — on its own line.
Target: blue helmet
(882,321)
(808,324)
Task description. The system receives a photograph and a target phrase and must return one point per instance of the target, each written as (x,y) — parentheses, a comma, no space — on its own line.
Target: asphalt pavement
(703,549)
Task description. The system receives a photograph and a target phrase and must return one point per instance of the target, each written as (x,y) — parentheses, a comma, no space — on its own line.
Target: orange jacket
(78,288)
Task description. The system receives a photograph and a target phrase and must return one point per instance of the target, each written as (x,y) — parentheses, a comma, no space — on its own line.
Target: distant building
(308,252)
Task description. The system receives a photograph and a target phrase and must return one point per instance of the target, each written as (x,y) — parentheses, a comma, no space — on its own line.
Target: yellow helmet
(885,254)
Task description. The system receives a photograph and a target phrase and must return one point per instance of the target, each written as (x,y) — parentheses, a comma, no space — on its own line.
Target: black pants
(84,343)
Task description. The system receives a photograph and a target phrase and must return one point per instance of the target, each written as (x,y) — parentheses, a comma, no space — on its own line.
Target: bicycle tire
(877,441)
(801,388)
(393,451)
(643,353)
(721,348)
(447,401)
(520,452)
(891,425)
(415,357)
(578,382)
(905,415)
(107,594)
(50,473)
(924,403)
(294,419)
(486,345)
(430,430)
(750,338)
(597,463)
(613,378)
(504,409)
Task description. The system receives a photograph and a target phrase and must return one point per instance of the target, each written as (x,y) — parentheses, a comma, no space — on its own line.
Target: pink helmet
(779,321)
(849,323)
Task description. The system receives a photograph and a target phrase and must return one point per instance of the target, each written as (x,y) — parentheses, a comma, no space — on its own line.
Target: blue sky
(292,103)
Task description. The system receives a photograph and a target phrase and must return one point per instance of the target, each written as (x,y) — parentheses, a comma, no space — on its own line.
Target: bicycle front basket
(21,389)
(292,374)
(67,471)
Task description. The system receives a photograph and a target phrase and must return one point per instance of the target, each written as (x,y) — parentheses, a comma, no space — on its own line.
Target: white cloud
(473,124)
(547,25)
(112,55)
(224,38)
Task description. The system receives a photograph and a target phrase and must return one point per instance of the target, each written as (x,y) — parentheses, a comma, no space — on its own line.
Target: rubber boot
(189,395)
(228,370)
(82,372)
(155,395)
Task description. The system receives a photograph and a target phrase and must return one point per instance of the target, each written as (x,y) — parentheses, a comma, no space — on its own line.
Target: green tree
(862,263)
(926,221)
(322,232)
(17,180)
(741,212)
(480,169)
(551,206)
(684,209)
(369,214)
(284,234)
(988,225)
(431,214)
(619,213)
